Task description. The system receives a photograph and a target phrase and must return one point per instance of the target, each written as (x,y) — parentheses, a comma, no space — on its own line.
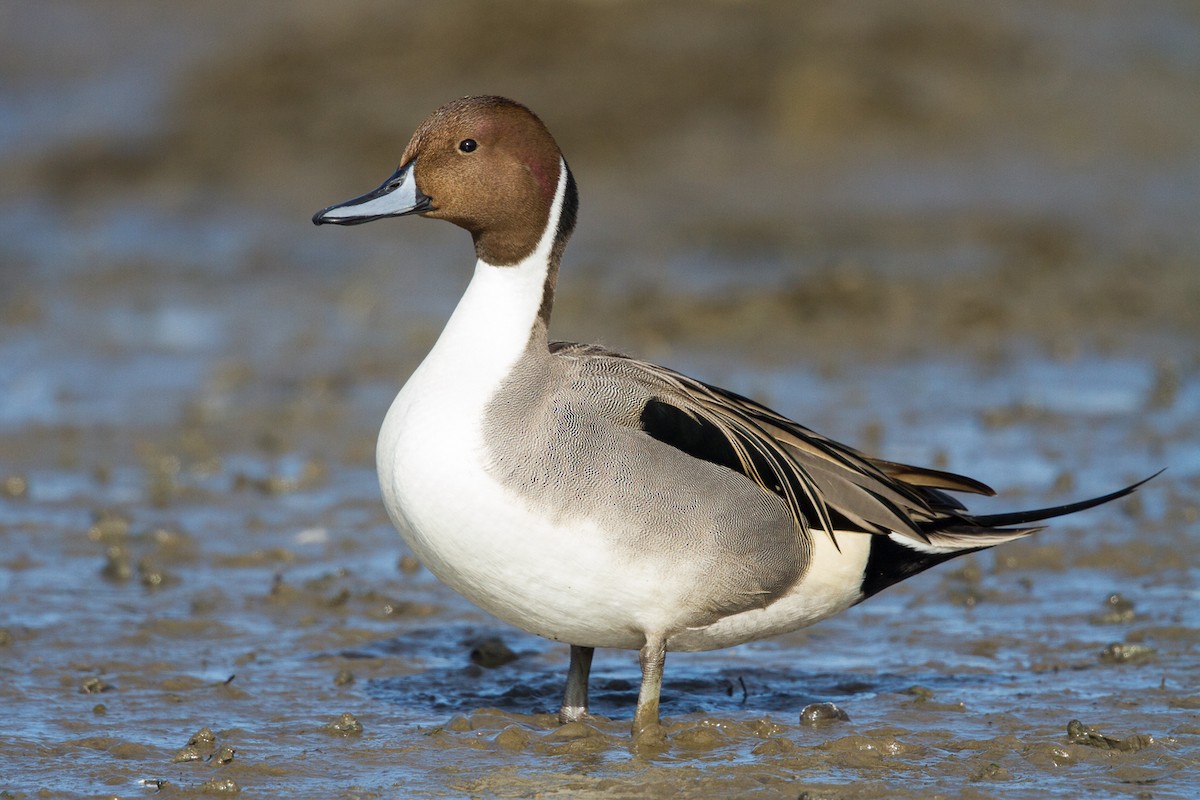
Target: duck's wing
(828,486)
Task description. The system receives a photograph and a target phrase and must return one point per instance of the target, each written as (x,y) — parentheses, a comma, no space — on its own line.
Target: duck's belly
(830,585)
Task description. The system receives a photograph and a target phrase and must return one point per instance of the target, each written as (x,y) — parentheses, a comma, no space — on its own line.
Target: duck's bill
(397,196)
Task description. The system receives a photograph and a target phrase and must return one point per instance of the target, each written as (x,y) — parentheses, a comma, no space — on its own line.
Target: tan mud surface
(959,237)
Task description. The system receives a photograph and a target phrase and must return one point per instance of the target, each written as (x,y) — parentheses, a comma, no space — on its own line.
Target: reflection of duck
(607,502)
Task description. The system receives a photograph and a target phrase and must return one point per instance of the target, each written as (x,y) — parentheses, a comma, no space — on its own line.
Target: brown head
(488,165)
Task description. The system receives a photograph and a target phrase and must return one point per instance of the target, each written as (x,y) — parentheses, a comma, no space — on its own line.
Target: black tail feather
(1037,514)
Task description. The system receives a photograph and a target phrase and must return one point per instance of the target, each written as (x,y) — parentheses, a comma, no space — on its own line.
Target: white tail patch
(943,543)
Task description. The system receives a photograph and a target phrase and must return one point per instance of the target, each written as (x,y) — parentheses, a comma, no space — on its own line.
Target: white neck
(491,325)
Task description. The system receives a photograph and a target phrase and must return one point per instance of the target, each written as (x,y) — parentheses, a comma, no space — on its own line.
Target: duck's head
(488,165)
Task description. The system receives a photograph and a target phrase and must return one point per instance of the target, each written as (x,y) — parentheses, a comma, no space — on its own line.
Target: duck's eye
(467,145)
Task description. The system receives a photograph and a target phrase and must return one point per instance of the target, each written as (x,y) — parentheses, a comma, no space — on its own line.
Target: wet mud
(960,239)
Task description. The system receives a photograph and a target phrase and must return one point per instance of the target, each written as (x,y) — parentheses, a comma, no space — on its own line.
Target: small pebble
(820,713)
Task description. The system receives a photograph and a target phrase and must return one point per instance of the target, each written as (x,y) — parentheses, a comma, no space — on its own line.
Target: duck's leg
(575,698)
(652,657)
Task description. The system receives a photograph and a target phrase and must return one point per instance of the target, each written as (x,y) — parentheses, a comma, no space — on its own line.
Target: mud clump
(14,486)
(118,564)
(1117,610)
(345,725)
(220,787)
(990,772)
(1078,733)
(1120,653)
(95,685)
(200,747)
(513,738)
(491,653)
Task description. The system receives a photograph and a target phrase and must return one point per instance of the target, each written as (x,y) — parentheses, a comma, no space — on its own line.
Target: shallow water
(199,583)
(190,531)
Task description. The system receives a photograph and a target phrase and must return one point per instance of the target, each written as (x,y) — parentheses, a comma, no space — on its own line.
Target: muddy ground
(956,235)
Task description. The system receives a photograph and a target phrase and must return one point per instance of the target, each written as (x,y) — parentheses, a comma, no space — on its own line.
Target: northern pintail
(603,501)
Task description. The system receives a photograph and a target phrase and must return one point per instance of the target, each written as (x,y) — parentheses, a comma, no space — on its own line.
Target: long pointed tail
(1038,514)
(894,557)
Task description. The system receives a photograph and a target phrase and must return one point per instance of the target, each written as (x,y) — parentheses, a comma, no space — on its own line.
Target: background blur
(962,234)
(788,177)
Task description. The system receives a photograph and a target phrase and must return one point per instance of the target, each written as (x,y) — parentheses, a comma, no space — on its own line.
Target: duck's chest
(480,536)
(431,453)
(432,463)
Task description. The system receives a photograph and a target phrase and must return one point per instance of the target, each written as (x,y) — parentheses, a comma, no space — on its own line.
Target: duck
(604,501)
